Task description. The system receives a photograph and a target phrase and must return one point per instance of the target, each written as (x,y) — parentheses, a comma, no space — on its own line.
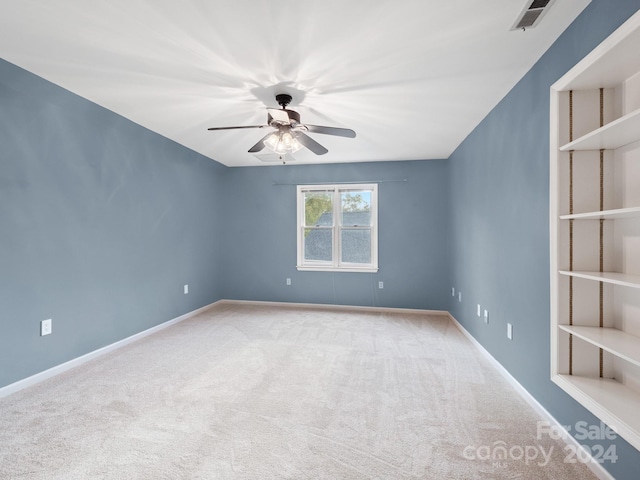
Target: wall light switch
(459,296)
(478,312)
(486,316)
(380,285)
(509,331)
(45,327)
(186,289)
(288,281)
(453,291)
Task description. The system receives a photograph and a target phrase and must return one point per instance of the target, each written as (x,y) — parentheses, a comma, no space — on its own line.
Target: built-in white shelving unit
(595,231)
(615,278)
(605,214)
(616,134)
(610,339)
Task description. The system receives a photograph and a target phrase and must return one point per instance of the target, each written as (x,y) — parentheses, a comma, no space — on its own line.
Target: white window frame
(336,265)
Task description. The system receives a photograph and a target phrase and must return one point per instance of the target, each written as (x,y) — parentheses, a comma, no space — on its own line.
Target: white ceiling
(411,77)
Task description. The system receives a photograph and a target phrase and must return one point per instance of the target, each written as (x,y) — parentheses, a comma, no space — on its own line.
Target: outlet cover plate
(46,327)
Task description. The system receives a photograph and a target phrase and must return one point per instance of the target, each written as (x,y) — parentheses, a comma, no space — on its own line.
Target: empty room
(319,240)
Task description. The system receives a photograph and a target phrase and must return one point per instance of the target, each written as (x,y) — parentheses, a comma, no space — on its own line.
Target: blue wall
(101,224)
(500,222)
(413,218)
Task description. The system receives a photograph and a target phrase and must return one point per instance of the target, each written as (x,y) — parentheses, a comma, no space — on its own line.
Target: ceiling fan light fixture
(283,142)
(280,148)
(290,142)
(272,141)
(295,145)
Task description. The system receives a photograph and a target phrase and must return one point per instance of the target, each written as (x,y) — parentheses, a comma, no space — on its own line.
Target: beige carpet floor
(255,392)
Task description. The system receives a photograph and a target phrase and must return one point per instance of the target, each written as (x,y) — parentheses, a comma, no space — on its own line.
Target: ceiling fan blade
(340,132)
(260,145)
(234,128)
(311,144)
(280,116)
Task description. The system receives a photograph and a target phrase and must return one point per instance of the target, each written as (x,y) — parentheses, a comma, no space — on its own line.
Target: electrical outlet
(288,281)
(478,312)
(45,327)
(486,316)
(186,289)
(381,285)
(509,331)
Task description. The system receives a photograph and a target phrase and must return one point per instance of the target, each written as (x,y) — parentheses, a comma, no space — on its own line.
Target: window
(338,227)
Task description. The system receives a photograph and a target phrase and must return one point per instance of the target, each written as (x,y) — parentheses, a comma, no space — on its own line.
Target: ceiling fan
(289,134)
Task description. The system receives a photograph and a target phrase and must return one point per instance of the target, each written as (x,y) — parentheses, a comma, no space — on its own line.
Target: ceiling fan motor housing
(294,118)
(283,99)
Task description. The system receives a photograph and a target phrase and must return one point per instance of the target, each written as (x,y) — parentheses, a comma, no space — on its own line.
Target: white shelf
(605,214)
(620,132)
(617,342)
(614,403)
(623,279)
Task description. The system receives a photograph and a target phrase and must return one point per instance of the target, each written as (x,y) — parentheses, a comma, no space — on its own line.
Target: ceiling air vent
(274,157)
(532,14)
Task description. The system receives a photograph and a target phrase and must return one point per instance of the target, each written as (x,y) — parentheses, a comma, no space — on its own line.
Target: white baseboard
(329,306)
(63,367)
(595,467)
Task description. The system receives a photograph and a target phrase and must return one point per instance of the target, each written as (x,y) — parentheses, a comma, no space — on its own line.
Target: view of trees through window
(318,207)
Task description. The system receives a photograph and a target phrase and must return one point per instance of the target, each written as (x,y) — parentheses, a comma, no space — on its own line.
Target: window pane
(356,245)
(356,208)
(318,209)
(318,244)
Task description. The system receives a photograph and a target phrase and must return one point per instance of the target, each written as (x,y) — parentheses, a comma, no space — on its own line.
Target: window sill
(307,268)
